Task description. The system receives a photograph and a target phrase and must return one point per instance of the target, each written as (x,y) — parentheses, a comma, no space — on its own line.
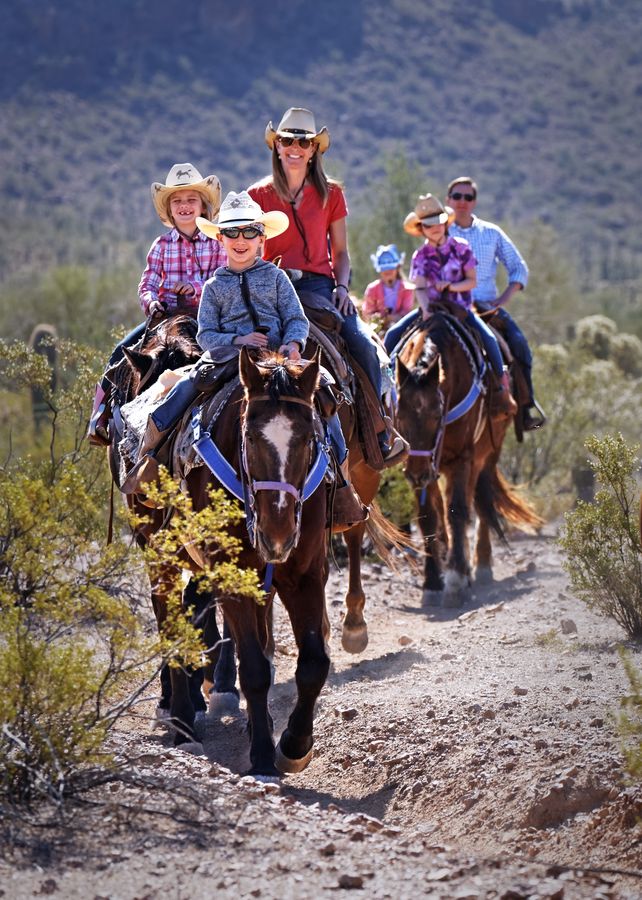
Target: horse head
(279,446)
(170,345)
(420,409)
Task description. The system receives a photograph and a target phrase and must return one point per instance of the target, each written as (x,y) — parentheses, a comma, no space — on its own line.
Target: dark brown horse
(443,413)
(272,421)
(272,427)
(170,344)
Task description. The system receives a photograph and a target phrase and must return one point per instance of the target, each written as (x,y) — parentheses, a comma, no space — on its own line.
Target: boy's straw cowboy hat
(428,211)
(185,175)
(238,210)
(298,123)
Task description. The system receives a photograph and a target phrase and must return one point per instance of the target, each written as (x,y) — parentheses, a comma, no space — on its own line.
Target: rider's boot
(347,508)
(533,416)
(98,431)
(146,470)
(502,405)
(394,448)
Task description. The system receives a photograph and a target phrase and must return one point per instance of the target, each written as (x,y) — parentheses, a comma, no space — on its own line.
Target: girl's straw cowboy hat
(428,211)
(238,210)
(185,175)
(298,123)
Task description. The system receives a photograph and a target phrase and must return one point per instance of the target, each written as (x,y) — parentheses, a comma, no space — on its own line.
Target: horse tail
(390,543)
(495,497)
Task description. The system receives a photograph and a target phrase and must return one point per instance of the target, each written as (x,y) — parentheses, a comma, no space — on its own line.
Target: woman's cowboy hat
(387,257)
(238,210)
(185,175)
(428,211)
(298,123)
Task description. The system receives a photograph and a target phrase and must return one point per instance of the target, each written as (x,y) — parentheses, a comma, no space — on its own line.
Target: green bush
(630,719)
(77,647)
(602,539)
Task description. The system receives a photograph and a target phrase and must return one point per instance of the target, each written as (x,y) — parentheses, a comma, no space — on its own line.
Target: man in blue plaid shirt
(491,246)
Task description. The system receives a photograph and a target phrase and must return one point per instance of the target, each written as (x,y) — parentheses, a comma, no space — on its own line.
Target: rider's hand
(254,339)
(342,301)
(442,285)
(291,350)
(184,289)
(156,308)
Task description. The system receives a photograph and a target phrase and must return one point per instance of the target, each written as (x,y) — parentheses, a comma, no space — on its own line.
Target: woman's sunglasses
(303,143)
(248,232)
(457,195)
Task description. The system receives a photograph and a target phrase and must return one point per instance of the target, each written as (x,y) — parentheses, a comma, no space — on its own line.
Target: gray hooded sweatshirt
(223,315)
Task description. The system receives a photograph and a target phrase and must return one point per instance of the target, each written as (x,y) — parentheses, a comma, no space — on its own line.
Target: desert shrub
(593,335)
(395,496)
(626,352)
(602,539)
(77,646)
(630,718)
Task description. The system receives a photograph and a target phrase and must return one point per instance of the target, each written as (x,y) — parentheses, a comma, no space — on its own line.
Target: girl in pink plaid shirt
(178,264)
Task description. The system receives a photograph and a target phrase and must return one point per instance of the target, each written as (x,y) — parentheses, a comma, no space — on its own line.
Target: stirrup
(98,431)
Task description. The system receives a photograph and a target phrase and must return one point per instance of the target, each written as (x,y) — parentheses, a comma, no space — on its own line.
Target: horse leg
(305,605)
(255,678)
(483,552)
(354,637)
(457,582)
(430,514)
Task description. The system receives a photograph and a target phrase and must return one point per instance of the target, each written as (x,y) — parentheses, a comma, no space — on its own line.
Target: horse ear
(251,378)
(401,371)
(308,380)
(141,362)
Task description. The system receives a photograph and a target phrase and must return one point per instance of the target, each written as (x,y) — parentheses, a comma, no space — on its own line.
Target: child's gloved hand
(183,289)
(254,339)
(291,350)
(156,308)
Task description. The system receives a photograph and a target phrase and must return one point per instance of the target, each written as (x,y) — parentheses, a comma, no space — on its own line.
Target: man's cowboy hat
(298,123)
(238,210)
(185,175)
(428,211)
(387,257)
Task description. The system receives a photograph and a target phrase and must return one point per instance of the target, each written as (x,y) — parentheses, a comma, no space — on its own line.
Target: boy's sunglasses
(303,143)
(457,195)
(248,232)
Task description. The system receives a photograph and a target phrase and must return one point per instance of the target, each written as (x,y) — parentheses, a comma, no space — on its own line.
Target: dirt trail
(467,753)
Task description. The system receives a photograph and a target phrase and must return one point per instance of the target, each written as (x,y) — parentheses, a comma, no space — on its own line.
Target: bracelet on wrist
(344,286)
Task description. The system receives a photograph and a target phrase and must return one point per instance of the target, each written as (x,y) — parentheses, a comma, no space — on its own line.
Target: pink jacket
(373,299)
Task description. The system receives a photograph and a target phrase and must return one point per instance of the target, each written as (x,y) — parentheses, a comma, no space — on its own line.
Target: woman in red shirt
(316,243)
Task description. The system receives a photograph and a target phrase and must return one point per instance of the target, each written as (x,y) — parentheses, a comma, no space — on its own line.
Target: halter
(244,488)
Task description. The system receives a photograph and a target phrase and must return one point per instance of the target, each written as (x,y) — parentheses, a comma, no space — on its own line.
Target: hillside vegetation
(539,102)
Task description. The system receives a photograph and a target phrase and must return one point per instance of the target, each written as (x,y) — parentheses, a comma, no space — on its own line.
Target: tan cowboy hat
(298,123)
(238,210)
(428,211)
(185,175)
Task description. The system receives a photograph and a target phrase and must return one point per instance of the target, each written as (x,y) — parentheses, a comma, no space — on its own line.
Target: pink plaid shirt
(173,257)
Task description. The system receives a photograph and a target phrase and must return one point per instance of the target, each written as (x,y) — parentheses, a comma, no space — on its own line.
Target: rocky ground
(466,754)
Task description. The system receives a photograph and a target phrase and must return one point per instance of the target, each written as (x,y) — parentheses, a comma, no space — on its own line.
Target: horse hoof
(161,717)
(225,703)
(267,779)
(292,766)
(194,748)
(431,598)
(483,575)
(354,640)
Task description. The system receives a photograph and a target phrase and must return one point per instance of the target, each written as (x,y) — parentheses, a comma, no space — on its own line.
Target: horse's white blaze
(278,433)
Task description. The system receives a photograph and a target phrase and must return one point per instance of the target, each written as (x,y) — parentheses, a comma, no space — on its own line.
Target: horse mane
(282,375)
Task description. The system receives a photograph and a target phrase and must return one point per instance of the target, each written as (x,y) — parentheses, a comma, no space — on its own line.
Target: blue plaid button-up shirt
(491,246)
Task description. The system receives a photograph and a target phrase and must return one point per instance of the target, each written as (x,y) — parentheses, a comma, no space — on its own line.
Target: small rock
(568,626)
(347,713)
(573,704)
(350,882)
(541,744)
(495,608)
(448,656)
(405,640)
(597,722)
(520,691)
(417,788)
(488,714)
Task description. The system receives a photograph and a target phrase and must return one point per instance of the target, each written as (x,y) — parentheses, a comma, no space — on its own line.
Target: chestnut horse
(443,413)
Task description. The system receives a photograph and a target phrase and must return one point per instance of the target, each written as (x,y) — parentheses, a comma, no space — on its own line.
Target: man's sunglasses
(457,195)
(248,232)
(303,143)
